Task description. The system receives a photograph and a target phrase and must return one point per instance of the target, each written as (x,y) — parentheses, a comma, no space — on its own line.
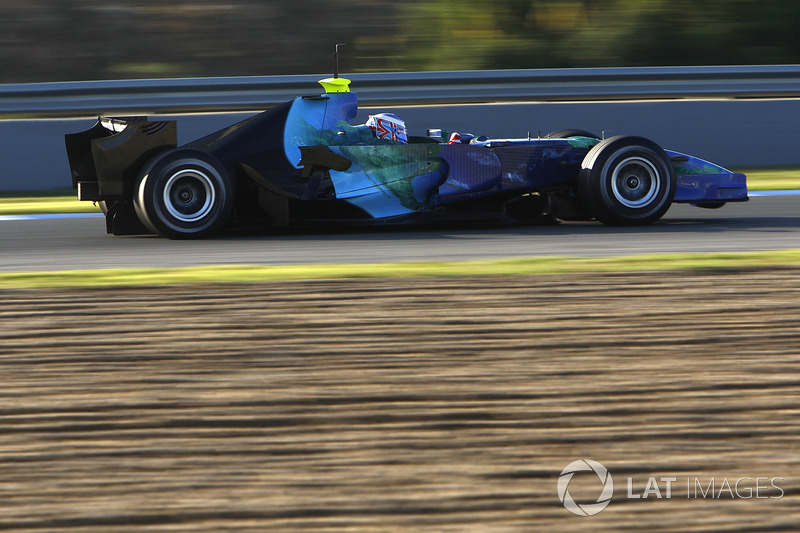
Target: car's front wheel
(627,181)
(566,134)
(184,194)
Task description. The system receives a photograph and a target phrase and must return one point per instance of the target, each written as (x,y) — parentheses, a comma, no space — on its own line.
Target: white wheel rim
(189,195)
(635,182)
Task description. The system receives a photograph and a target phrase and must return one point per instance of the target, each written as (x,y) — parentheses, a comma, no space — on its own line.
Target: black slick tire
(183,194)
(566,134)
(627,181)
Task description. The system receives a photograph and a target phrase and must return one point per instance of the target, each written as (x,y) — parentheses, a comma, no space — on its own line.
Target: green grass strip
(773,179)
(45,206)
(502,267)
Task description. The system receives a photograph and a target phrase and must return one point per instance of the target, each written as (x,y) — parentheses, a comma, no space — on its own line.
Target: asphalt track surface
(763,223)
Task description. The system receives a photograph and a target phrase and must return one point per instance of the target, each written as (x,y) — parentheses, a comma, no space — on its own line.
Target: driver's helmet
(388,126)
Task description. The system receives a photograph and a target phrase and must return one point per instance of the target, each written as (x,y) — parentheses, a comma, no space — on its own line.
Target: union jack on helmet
(388,126)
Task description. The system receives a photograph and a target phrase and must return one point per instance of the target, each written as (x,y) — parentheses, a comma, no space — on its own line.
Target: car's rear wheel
(184,194)
(627,181)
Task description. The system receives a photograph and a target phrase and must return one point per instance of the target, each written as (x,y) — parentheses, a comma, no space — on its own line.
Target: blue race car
(302,164)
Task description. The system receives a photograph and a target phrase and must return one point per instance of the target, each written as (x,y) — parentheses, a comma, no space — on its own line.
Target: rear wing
(105,159)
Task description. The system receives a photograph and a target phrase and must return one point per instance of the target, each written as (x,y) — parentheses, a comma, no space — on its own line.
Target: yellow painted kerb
(335,85)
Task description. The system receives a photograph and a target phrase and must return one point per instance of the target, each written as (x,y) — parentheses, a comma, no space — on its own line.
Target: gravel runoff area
(437,404)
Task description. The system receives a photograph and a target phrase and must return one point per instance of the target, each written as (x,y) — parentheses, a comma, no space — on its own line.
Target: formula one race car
(303,164)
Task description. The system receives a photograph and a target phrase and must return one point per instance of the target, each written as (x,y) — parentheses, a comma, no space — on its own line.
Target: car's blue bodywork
(390,178)
(371,179)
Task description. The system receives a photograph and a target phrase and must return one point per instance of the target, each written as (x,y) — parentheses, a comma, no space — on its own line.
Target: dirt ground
(447,404)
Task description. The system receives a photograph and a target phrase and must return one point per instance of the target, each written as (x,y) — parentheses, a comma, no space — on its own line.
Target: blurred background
(67,40)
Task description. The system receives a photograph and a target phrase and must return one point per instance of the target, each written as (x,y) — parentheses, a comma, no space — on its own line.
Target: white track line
(8,218)
(773,193)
